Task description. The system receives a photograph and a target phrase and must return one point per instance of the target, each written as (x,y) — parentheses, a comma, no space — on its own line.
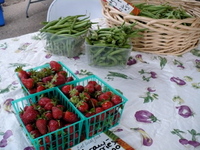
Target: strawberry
(89,114)
(42,148)
(66,88)
(29,116)
(70,129)
(47,139)
(43,101)
(58,79)
(62,72)
(41,125)
(40,88)
(98,87)
(22,74)
(104,97)
(28,83)
(70,117)
(57,112)
(47,79)
(100,110)
(93,102)
(109,93)
(73,92)
(92,82)
(29,127)
(53,125)
(89,88)
(69,79)
(116,99)
(29,107)
(107,104)
(48,115)
(32,91)
(84,96)
(49,105)
(55,66)
(35,133)
(62,107)
(80,88)
(82,106)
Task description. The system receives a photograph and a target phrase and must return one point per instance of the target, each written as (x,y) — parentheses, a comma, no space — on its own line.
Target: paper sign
(123,6)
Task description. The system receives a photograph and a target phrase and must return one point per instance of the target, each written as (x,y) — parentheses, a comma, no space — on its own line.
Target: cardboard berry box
(61,133)
(44,77)
(101,112)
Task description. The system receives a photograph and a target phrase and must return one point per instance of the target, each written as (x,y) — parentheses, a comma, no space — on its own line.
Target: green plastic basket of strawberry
(48,120)
(43,77)
(100,104)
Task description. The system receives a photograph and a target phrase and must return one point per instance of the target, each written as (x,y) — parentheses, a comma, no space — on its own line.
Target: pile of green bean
(108,47)
(66,35)
(163,11)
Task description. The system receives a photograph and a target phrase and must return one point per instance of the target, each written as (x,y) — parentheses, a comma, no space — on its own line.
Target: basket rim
(113,10)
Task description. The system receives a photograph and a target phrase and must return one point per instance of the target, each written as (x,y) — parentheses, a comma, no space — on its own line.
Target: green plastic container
(60,139)
(69,73)
(92,125)
(62,45)
(104,56)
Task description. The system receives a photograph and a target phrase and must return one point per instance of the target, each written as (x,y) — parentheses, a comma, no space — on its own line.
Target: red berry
(82,106)
(57,112)
(43,101)
(59,79)
(41,125)
(107,104)
(70,117)
(49,106)
(35,133)
(29,127)
(53,125)
(116,99)
(55,66)
(66,88)
(40,88)
(103,97)
(22,74)
(28,83)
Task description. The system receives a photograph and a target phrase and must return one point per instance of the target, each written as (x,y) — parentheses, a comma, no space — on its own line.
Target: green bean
(117,51)
(162,11)
(48,25)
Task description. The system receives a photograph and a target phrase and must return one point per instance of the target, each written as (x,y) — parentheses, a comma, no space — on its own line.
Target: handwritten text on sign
(99,142)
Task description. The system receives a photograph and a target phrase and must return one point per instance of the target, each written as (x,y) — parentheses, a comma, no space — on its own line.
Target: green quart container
(47,65)
(105,120)
(59,139)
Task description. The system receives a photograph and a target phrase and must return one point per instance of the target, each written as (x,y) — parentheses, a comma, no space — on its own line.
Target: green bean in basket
(66,35)
(109,47)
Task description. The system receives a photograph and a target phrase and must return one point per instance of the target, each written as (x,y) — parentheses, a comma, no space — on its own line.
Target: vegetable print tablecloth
(163,111)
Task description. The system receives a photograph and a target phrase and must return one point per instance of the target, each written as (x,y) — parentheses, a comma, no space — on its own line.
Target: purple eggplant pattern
(145,116)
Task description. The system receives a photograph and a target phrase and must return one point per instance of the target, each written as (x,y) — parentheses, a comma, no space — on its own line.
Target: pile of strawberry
(91,100)
(47,116)
(39,80)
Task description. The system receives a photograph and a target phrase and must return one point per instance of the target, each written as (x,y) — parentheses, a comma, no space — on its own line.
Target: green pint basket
(47,65)
(59,139)
(105,120)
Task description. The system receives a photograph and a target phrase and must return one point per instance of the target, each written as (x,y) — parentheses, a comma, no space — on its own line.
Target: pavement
(16,22)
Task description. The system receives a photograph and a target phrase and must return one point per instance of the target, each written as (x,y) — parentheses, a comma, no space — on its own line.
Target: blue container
(2,22)
(1,1)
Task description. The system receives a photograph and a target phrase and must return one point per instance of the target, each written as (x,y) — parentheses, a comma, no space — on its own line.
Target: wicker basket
(164,36)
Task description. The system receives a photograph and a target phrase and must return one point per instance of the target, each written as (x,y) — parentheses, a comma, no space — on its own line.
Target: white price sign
(121,5)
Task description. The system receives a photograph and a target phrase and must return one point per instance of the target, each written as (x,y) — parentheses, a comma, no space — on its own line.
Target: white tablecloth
(166,88)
